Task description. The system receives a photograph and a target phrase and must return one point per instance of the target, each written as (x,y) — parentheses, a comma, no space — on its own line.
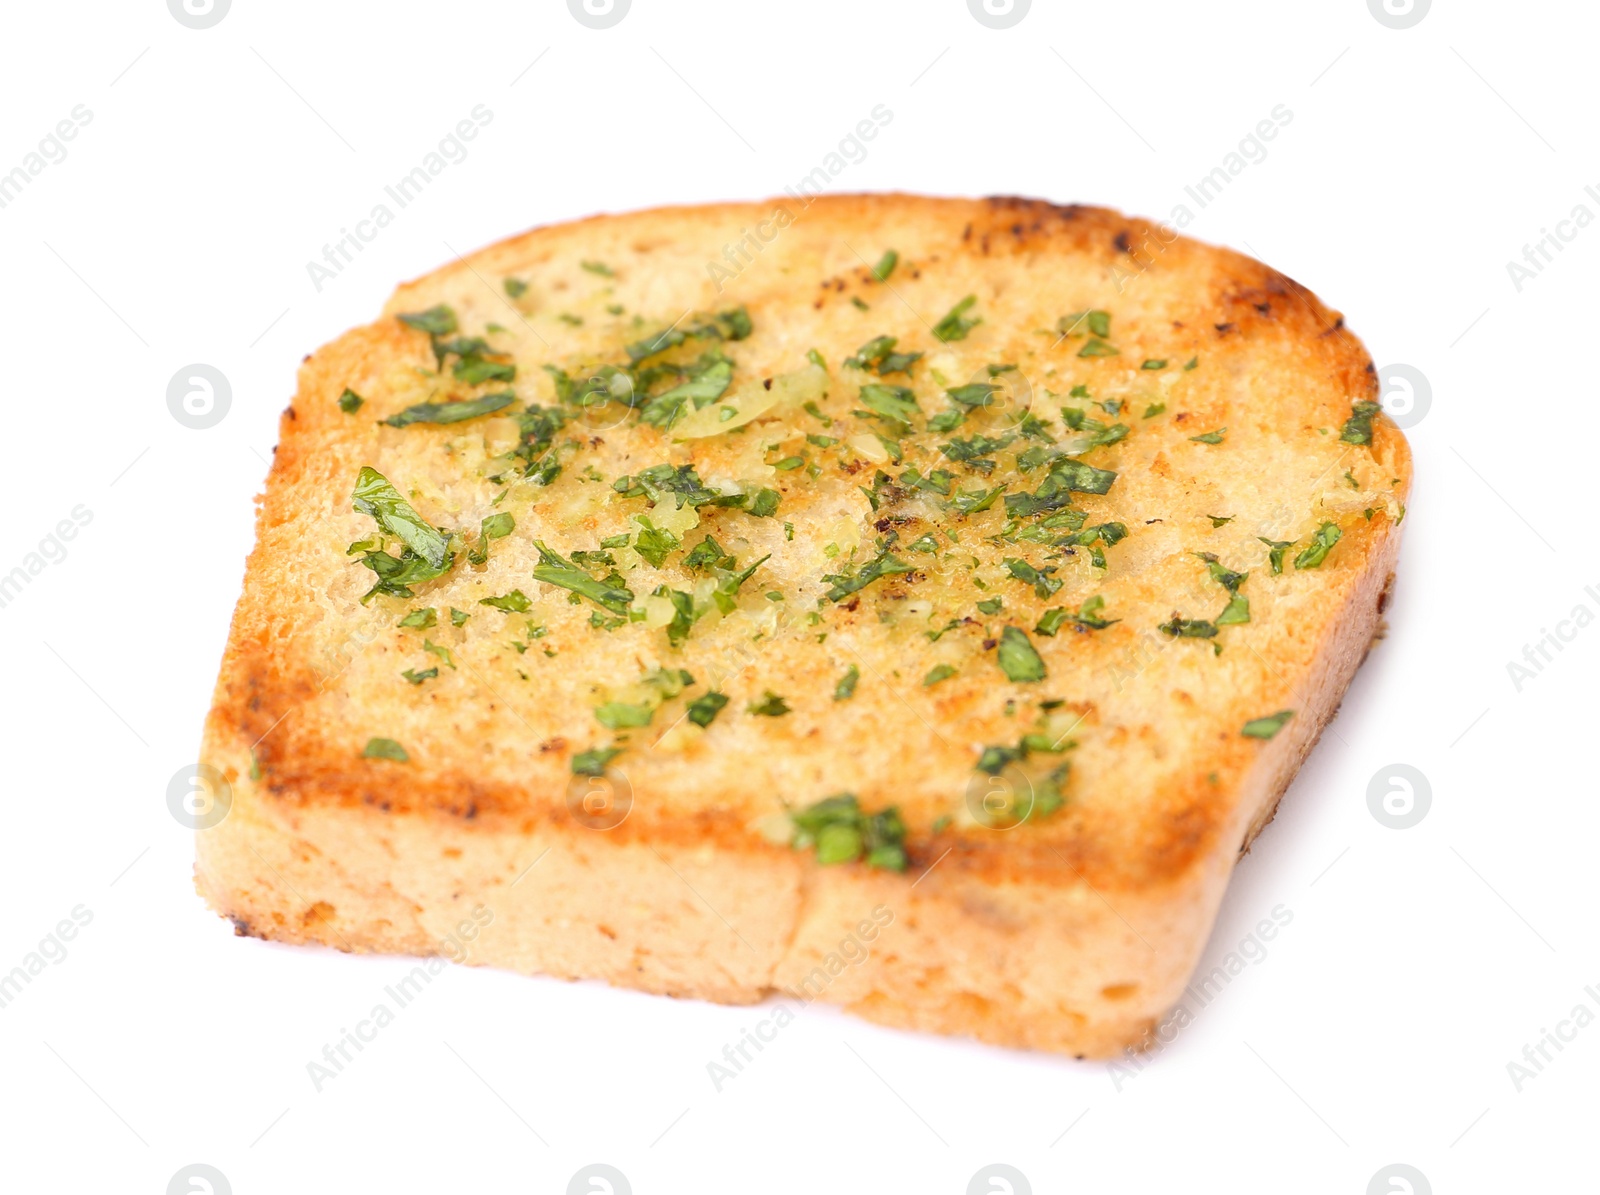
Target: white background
(217,163)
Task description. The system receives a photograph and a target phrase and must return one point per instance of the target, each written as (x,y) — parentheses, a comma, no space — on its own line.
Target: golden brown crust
(1165,789)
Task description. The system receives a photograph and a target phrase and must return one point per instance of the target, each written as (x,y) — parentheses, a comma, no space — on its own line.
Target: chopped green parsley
(380,748)
(1265,728)
(841,832)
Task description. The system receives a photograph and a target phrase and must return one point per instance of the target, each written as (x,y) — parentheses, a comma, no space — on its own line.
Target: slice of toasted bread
(1061,587)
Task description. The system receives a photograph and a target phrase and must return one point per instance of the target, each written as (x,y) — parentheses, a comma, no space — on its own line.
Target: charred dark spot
(1016,230)
(289,411)
(1263,308)
(966,233)
(853,604)
(990,644)
(1223,329)
(766,384)
(1121,241)
(241,927)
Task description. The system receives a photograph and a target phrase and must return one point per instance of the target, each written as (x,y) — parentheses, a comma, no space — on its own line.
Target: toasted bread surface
(1039,690)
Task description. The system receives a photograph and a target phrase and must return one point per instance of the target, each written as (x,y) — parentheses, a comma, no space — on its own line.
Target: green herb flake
(350,402)
(886,265)
(376,498)
(553,569)
(1154,409)
(1265,728)
(1044,583)
(620,715)
(598,267)
(970,502)
(421,619)
(495,526)
(458,617)
(704,709)
(515,287)
(450,412)
(380,748)
(894,403)
(841,832)
(1188,628)
(885,564)
(1088,615)
(955,325)
(1321,544)
(1277,547)
(435,321)
(515,602)
(1018,658)
(653,543)
(442,652)
(417,678)
(936,674)
(846,688)
(593,761)
(1236,613)
(771,705)
(1358,428)
(1154,363)
(1050,622)
(1210,437)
